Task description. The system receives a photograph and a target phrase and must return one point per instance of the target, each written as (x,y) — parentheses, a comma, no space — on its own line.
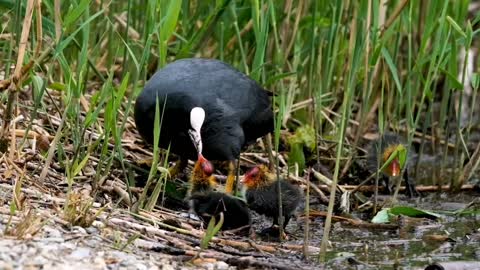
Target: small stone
(5,266)
(38,260)
(80,253)
(139,266)
(79,229)
(52,233)
(166,266)
(98,224)
(154,267)
(99,263)
(222,265)
(92,230)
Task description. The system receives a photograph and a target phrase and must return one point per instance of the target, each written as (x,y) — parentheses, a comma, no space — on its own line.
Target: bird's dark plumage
(212,203)
(262,194)
(238,110)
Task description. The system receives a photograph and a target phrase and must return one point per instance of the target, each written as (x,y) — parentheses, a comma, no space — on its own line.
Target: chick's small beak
(243,180)
(395,167)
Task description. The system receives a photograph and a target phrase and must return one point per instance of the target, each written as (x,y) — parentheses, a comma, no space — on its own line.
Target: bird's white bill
(197,116)
(196,140)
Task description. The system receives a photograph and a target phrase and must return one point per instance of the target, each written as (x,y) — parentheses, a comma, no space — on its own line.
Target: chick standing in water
(262,195)
(207,203)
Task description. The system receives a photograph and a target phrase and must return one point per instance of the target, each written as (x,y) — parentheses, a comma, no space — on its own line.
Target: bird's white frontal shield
(197,117)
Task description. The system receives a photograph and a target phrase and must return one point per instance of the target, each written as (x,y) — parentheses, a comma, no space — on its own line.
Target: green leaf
(381,217)
(75,13)
(212,229)
(455,26)
(80,166)
(413,212)
(322,22)
(38,84)
(393,68)
(476,81)
(57,86)
(296,156)
(307,135)
(275,78)
(168,27)
(64,43)
(385,215)
(453,80)
(170,19)
(399,152)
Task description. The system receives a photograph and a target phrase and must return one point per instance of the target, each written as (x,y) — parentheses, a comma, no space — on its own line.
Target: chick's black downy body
(212,203)
(237,109)
(264,200)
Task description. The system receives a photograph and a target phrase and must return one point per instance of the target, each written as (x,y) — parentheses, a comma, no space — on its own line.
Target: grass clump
(78,210)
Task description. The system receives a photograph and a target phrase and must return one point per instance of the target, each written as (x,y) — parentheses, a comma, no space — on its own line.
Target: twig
(322,195)
(394,16)
(472,165)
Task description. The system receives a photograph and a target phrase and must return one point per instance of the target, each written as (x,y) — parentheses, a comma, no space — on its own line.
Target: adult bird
(237,110)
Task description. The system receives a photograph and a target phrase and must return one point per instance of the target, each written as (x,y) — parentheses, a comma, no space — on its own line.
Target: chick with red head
(262,195)
(390,153)
(202,179)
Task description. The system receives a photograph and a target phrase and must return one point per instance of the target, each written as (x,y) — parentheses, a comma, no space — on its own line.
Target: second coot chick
(206,202)
(380,152)
(262,194)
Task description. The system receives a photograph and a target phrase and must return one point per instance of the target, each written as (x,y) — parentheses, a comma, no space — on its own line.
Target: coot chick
(237,110)
(207,203)
(262,195)
(201,179)
(380,152)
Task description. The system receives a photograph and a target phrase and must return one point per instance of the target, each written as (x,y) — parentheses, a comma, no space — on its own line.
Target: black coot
(237,109)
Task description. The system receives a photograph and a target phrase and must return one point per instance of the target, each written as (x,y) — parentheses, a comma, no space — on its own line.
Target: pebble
(222,265)
(79,229)
(51,232)
(80,254)
(92,230)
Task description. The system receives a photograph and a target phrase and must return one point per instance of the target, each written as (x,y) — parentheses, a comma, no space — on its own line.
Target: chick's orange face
(252,178)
